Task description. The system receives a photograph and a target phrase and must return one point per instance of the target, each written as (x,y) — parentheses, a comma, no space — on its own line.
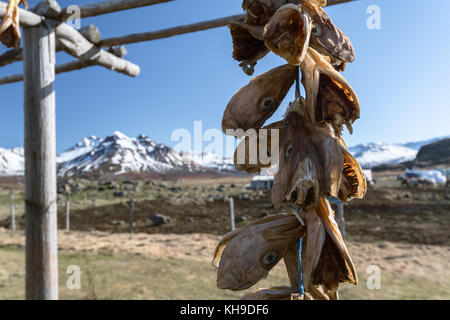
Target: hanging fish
(260,149)
(259,11)
(329,96)
(252,105)
(288,32)
(10,27)
(328,39)
(300,174)
(248,40)
(325,259)
(248,45)
(354,183)
(326,213)
(246,256)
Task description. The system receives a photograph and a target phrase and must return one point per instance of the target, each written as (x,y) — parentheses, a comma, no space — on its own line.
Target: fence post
(13,213)
(68,213)
(131,216)
(233,227)
(40,163)
(341,219)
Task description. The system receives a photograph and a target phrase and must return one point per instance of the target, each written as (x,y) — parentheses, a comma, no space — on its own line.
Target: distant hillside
(434,154)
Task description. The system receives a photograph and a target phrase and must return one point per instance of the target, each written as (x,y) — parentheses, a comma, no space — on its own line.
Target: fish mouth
(230,282)
(305,190)
(229,124)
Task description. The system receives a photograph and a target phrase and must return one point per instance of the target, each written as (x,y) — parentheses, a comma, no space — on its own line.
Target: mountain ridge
(119,154)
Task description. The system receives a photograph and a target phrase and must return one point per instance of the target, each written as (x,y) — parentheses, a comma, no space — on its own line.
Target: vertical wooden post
(341,219)
(13,213)
(68,213)
(131,216)
(233,227)
(40,163)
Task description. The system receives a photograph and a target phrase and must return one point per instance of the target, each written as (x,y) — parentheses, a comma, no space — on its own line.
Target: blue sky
(401,75)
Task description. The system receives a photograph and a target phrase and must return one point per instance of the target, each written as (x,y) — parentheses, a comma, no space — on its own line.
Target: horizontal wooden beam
(170,32)
(76,45)
(175,31)
(104,7)
(67,67)
(116,5)
(90,32)
(27,18)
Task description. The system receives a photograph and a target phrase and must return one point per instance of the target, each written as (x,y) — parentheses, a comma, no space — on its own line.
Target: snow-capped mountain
(209,160)
(12,162)
(82,147)
(120,154)
(370,155)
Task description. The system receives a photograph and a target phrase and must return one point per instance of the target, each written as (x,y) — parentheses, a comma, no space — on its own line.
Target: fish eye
(268,104)
(270,258)
(316,31)
(288,151)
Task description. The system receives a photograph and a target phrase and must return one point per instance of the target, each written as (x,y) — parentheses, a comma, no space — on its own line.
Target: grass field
(124,276)
(403,231)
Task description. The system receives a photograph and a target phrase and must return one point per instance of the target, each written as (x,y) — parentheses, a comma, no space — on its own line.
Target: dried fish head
(288,32)
(329,152)
(246,256)
(248,45)
(347,272)
(354,183)
(300,173)
(328,39)
(326,261)
(330,98)
(252,105)
(260,11)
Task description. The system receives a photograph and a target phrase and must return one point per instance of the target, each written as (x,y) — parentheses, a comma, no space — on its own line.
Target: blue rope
(335,200)
(301,288)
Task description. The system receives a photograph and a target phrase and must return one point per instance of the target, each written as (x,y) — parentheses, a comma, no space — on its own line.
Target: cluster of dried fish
(312,160)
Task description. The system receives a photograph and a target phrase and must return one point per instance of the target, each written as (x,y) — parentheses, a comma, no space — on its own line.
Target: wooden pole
(40,164)
(68,214)
(131,216)
(233,226)
(341,219)
(13,214)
